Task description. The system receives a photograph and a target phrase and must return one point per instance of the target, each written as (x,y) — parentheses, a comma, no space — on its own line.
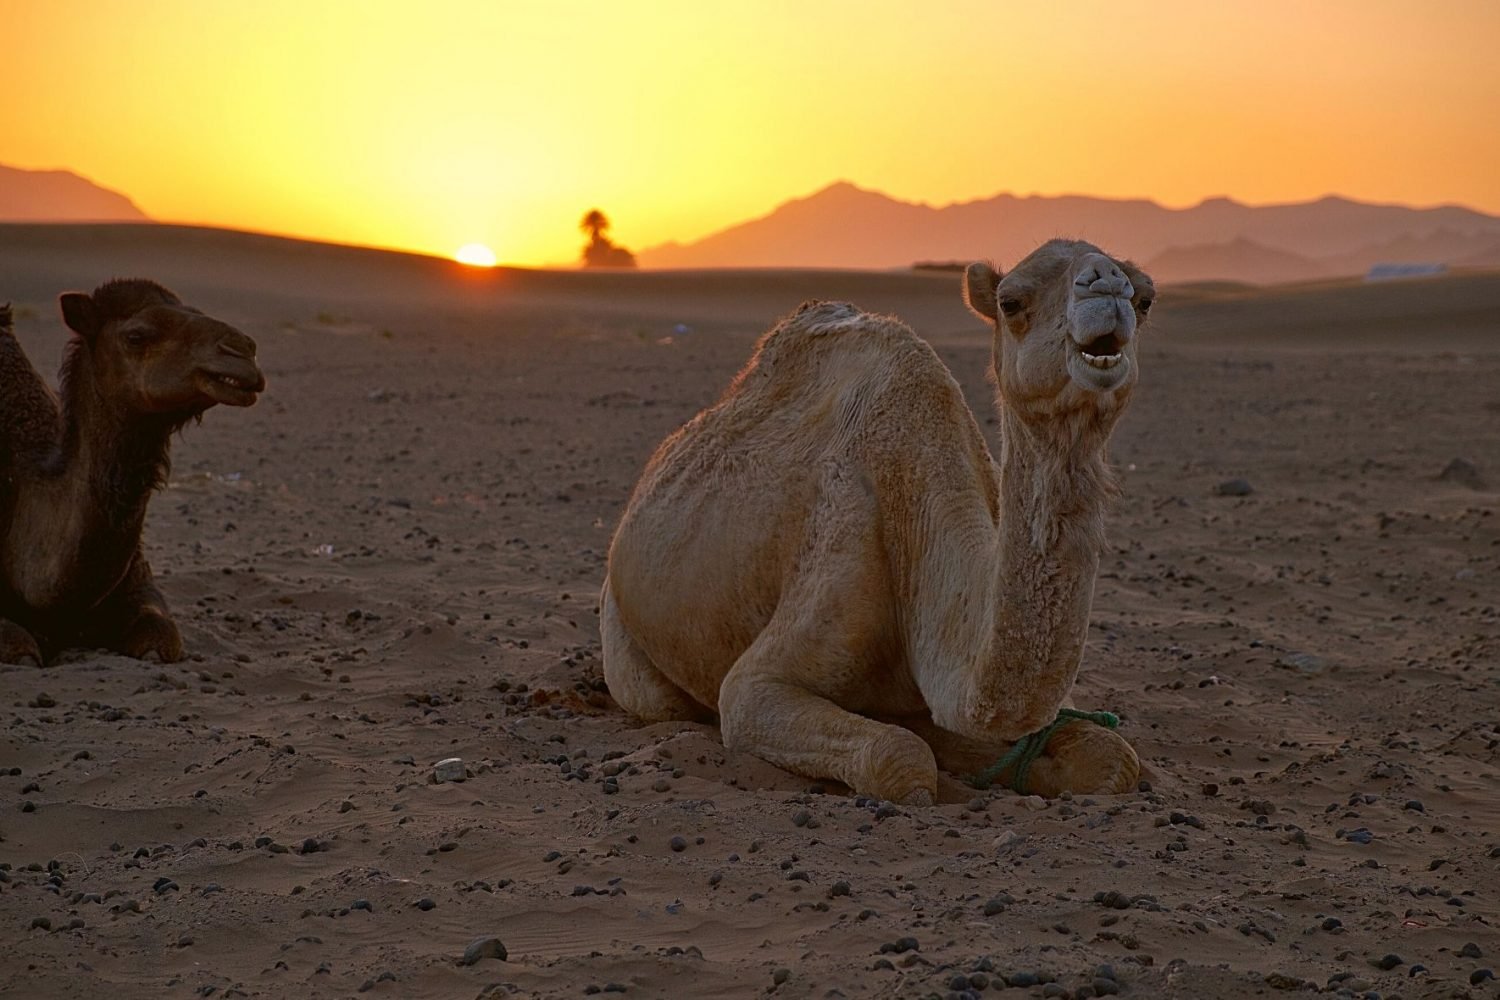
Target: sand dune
(394,558)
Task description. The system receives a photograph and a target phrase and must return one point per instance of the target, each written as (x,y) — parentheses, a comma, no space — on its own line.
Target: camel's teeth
(1101,360)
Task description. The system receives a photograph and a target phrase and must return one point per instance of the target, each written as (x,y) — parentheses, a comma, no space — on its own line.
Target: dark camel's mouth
(232,388)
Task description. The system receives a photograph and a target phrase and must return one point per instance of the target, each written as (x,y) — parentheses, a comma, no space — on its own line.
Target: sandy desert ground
(395,558)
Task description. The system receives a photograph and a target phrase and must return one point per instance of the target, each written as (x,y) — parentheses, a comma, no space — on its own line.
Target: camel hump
(816,322)
(815,310)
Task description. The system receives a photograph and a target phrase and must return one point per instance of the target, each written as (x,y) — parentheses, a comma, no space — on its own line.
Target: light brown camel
(829,558)
(77,471)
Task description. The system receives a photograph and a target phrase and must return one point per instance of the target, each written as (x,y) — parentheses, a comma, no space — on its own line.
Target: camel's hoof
(17,647)
(153,636)
(898,767)
(920,797)
(1085,759)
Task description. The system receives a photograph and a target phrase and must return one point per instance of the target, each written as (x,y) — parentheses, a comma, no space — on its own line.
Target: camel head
(1065,322)
(150,354)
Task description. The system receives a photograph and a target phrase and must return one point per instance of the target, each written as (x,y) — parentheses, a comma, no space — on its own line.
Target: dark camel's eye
(1146,305)
(1010,306)
(139,336)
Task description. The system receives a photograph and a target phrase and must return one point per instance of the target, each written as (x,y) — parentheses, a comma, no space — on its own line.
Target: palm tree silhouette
(594,223)
(601,250)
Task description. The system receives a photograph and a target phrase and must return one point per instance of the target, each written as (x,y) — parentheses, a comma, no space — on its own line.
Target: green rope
(1028,748)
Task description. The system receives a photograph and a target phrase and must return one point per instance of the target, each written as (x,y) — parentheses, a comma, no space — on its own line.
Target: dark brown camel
(78,467)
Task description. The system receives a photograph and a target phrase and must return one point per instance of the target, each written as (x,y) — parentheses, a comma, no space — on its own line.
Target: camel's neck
(1054,487)
(108,464)
(111,460)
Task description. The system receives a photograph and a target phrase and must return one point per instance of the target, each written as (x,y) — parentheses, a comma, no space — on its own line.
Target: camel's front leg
(767,712)
(1081,757)
(19,646)
(134,619)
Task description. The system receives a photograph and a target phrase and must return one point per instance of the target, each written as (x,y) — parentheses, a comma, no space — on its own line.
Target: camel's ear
(980,282)
(80,313)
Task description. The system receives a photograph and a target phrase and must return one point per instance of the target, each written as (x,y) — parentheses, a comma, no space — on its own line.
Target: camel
(78,468)
(829,560)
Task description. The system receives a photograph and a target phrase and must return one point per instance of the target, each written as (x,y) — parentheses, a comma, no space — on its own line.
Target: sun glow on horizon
(475,255)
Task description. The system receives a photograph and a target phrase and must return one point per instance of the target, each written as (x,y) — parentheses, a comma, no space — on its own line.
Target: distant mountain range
(847,226)
(60,196)
(844,226)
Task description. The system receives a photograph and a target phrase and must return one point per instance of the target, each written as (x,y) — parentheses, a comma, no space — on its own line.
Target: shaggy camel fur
(830,558)
(77,470)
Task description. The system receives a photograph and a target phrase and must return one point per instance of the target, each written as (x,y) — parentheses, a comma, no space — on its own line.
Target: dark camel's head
(1065,321)
(150,354)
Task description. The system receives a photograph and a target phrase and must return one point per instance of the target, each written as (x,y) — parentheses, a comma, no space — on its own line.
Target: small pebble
(1388,962)
(482,948)
(1234,488)
(1480,975)
(678,844)
(1463,472)
(1470,950)
(449,769)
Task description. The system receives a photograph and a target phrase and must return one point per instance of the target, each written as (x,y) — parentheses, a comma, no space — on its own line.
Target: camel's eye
(139,336)
(1145,306)
(1010,306)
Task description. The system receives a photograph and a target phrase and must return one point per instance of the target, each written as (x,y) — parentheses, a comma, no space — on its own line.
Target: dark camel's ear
(80,313)
(980,282)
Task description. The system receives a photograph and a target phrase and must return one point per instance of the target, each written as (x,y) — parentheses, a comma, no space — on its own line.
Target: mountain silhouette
(847,226)
(60,196)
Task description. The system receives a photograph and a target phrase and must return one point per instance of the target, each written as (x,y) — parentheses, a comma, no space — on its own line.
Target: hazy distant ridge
(847,226)
(61,196)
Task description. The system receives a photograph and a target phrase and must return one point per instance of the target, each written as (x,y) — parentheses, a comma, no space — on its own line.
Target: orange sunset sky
(430,125)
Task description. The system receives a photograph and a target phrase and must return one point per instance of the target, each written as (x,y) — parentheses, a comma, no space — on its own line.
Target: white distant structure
(1390,272)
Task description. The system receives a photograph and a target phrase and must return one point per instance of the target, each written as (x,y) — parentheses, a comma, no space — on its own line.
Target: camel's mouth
(231,389)
(1103,352)
(1101,363)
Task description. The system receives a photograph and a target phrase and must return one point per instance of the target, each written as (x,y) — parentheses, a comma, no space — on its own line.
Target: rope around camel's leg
(1019,758)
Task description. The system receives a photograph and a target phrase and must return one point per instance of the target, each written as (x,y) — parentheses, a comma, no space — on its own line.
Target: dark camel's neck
(113,458)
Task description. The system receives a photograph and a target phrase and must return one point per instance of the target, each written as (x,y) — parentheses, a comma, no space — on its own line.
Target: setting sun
(475,255)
